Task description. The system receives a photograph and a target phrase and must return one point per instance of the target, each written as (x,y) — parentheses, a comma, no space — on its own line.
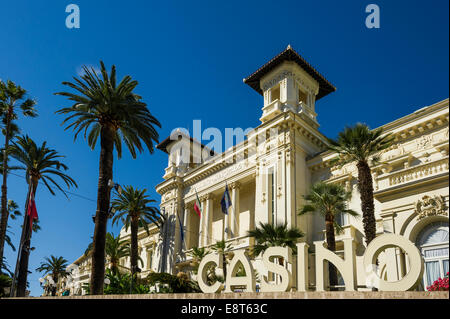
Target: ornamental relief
(217,177)
(168,195)
(283,75)
(349,168)
(423,142)
(394,151)
(430,206)
(267,85)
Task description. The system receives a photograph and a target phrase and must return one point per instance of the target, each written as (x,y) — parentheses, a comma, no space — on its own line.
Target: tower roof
(169,140)
(289,54)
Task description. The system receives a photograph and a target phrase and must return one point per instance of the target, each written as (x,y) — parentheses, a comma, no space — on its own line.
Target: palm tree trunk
(4,200)
(134,244)
(101,216)
(331,245)
(224,261)
(25,255)
(55,279)
(365,187)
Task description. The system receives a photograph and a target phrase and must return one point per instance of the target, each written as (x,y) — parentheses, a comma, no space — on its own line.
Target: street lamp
(116,186)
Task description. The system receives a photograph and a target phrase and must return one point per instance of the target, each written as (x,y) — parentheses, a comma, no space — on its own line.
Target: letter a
(373,19)
(73,19)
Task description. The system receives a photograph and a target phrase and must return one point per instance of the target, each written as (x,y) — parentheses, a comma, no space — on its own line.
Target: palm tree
(12,99)
(56,266)
(359,144)
(40,163)
(5,267)
(268,235)
(222,248)
(13,209)
(197,255)
(14,213)
(115,113)
(329,200)
(132,207)
(115,249)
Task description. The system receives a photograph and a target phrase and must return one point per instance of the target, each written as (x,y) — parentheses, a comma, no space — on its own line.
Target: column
(208,219)
(186,227)
(262,197)
(149,257)
(290,190)
(234,218)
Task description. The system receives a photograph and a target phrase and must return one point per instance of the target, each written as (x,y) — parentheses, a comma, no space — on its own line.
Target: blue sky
(190,58)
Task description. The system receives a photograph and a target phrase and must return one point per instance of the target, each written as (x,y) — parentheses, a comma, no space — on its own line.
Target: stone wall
(276,295)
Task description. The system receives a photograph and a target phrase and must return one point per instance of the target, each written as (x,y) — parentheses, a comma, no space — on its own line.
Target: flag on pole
(197,205)
(226,201)
(32,212)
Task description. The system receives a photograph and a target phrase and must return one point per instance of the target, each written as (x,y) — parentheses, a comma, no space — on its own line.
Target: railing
(272,108)
(417,172)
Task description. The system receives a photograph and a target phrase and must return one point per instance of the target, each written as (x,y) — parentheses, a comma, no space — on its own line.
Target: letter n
(346,266)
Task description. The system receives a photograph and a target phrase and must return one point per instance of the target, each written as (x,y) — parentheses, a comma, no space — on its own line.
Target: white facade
(267,182)
(270,171)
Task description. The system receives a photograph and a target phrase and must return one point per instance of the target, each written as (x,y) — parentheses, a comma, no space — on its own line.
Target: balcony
(170,172)
(271,110)
(427,172)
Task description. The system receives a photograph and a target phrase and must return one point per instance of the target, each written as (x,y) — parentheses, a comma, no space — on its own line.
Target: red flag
(197,205)
(32,212)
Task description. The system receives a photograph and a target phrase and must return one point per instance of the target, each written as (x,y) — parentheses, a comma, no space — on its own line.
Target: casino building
(270,171)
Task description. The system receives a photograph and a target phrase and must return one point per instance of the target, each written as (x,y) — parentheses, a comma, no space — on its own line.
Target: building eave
(289,54)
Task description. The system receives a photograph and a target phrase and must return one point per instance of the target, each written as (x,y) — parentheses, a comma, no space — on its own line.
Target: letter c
(202,273)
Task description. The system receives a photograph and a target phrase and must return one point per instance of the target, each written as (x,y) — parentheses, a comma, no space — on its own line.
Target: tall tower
(290,87)
(288,82)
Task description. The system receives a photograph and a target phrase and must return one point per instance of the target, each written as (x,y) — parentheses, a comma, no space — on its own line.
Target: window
(302,97)
(342,219)
(433,244)
(275,93)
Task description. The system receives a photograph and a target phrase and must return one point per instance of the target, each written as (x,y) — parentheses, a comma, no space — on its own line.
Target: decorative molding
(235,185)
(430,206)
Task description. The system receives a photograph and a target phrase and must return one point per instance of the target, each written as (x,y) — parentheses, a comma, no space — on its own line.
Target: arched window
(433,244)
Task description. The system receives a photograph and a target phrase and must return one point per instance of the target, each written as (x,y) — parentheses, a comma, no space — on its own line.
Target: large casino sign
(297,274)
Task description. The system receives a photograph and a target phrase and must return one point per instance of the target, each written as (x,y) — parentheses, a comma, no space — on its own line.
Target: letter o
(384,241)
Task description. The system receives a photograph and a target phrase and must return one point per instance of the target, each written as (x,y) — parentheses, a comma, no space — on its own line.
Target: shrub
(120,284)
(5,284)
(439,285)
(173,284)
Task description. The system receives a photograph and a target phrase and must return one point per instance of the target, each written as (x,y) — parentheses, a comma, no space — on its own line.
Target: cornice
(169,184)
(401,135)
(417,115)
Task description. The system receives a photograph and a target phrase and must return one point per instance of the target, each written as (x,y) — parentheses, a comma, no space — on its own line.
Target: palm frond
(100,102)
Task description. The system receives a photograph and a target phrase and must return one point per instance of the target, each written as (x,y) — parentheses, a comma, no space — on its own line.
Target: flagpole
(224,229)
(22,237)
(182,230)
